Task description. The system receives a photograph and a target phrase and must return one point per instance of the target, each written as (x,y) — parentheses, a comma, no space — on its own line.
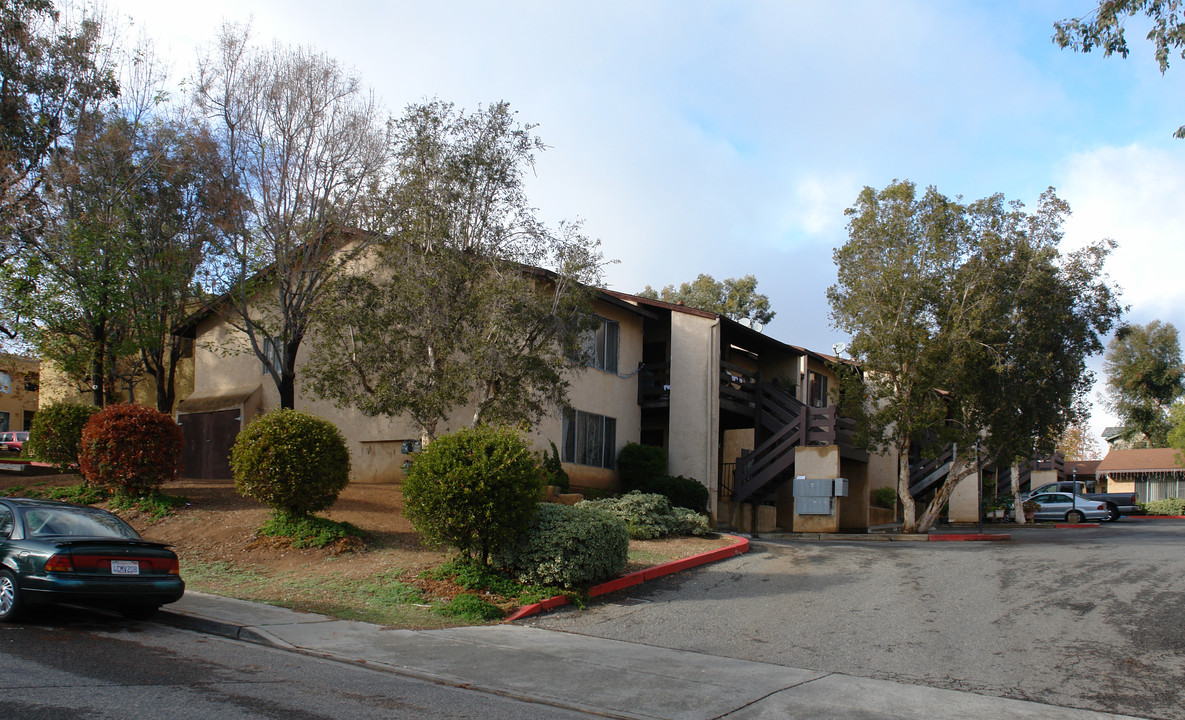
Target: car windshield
(74,522)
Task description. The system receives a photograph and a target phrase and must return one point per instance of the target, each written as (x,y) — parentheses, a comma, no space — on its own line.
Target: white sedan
(1071,508)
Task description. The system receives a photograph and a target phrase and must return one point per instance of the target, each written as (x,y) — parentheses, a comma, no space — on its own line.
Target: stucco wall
(18,401)
(224,361)
(695,400)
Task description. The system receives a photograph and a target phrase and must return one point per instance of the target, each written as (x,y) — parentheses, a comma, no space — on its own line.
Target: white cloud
(1133,195)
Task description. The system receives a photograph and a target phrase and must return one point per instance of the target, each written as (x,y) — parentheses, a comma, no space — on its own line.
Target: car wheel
(10,597)
(1074,517)
(1112,513)
(138,612)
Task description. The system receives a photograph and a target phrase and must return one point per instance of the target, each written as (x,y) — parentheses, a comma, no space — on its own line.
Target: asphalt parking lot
(1081,617)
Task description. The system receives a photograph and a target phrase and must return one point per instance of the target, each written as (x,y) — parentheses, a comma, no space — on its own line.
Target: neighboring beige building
(19,391)
(1151,473)
(58,387)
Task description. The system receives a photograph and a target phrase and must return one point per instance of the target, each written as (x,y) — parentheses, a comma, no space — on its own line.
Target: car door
(1053,506)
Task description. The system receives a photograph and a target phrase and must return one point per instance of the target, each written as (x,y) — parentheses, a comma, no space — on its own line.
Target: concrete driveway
(1084,617)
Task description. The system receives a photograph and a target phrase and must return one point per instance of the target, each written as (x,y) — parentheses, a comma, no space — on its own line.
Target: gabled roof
(1081,468)
(1142,460)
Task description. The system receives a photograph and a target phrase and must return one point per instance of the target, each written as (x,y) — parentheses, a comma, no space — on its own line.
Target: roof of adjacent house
(1078,468)
(1143,460)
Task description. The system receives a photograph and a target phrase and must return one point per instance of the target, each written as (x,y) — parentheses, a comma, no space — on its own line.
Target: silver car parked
(1064,506)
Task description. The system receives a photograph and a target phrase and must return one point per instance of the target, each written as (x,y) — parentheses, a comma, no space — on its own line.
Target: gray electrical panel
(813,488)
(812,505)
(841,487)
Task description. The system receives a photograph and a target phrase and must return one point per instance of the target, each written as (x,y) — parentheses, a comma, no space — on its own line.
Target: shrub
(638,464)
(1169,506)
(130,450)
(648,515)
(572,546)
(57,433)
(683,492)
(470,608)
(885,497)
(552,470)
(475,489)
(292,461)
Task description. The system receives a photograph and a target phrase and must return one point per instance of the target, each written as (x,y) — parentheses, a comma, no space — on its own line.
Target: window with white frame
(5,382)
(589,439)
(600,345)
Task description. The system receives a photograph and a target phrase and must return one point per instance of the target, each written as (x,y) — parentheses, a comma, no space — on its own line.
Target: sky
(727,137)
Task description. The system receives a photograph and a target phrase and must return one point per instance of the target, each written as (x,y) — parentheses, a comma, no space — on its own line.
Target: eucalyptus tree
(735,298)
(1145,376)
(455,308)
(302,143)
(1105,28)
(970,326)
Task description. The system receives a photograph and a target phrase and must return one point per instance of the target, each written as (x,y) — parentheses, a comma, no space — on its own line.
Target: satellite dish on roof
(839,348)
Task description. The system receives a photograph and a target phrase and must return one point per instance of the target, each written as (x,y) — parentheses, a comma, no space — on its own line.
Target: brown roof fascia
(1142,460)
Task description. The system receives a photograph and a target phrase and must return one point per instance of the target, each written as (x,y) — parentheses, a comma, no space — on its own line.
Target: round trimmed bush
(57,433)
(573,546)
(475,489)
(130,450)
(639,464)
(292,461)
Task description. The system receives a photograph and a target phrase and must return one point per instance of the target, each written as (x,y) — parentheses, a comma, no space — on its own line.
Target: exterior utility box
(813,506)
(804,488)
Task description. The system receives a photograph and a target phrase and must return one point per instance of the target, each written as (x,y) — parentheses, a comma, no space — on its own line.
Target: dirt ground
(215,535)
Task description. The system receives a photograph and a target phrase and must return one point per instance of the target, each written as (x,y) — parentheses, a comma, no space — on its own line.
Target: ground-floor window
(1149,490)
(4,421)
(589,439)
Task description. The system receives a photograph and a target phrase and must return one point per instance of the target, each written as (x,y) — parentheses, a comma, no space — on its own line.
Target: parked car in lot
(1071,508)
(1117,503)
(13,441)
(56,552)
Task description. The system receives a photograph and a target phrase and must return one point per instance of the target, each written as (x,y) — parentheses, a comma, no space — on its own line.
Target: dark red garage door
(208,439)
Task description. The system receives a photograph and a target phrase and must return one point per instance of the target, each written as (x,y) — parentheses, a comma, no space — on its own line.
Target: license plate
(125,567)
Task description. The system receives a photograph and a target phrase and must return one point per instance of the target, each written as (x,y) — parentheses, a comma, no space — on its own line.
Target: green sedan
(56,552)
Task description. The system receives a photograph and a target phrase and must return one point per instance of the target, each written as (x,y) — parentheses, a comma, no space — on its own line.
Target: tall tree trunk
(1018,511)
(98,354)
(908,508)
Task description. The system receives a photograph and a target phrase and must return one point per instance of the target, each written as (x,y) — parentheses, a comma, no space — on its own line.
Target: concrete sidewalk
(603,677)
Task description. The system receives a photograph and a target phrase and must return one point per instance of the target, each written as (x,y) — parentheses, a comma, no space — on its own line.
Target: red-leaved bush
(130,450)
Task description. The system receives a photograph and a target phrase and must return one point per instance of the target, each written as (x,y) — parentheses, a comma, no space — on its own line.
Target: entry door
(208,439)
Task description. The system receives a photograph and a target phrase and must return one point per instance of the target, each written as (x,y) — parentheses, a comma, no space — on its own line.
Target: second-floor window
(273,353)
(5,382)
(600,345)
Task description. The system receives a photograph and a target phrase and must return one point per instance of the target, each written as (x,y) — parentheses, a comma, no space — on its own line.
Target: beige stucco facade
(57,387)
(229,376)
(693,449)
(19,393)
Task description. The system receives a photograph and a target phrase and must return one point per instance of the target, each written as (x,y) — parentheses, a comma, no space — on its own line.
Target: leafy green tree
(453,309)
(969,326)
(1145,376)
(1104,28)
(54,72)
(1176,436)
(734,298)
(131,208)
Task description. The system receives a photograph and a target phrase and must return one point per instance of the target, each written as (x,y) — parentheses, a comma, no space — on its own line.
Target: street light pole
(978,487)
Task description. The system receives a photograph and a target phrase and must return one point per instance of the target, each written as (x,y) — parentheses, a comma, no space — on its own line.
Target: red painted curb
(969,538)
(1155,517)
(637,577)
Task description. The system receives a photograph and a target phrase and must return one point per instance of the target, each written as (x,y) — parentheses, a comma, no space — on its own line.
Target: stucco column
(694,438)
